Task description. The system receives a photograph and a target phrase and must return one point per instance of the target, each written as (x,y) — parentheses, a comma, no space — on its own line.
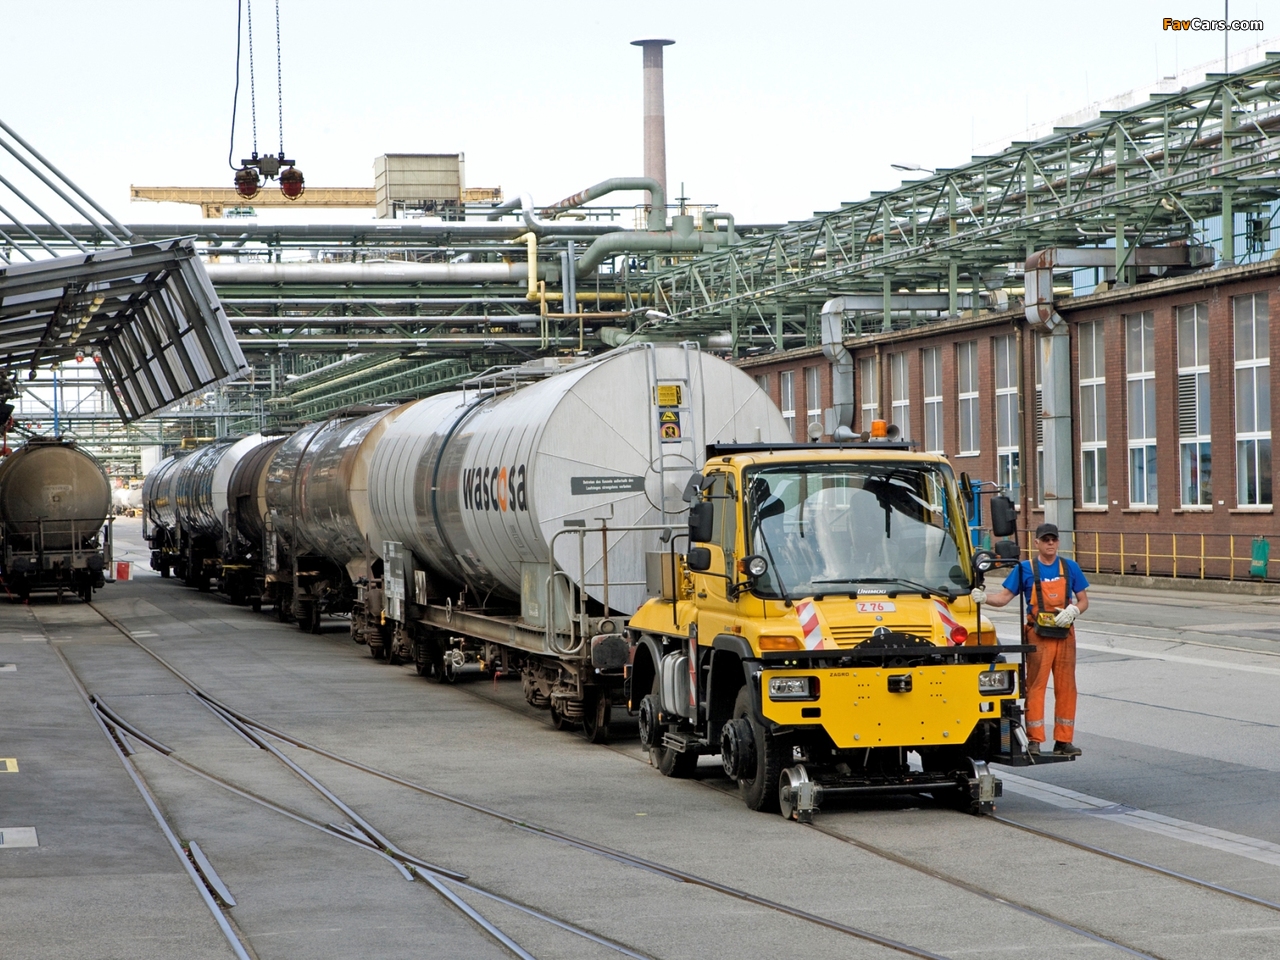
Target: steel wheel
(596,717)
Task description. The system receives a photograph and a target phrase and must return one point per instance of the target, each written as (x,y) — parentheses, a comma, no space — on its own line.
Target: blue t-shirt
(1022,578)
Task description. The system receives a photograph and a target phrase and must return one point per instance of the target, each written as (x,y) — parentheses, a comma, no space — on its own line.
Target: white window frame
(931,382)
(1039,424)
(1093,413)
(967,394)
(1140,407)
(787,399)
(1195,448)
(1008,425)
(869,389)
(812,397)
(900,393)
(1253,443)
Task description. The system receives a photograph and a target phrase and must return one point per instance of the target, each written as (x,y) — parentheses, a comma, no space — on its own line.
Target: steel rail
(234,940)
(985,894)
(1142,864)
(547,832)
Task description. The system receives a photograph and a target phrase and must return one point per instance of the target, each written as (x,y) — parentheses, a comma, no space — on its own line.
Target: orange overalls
(1056,656)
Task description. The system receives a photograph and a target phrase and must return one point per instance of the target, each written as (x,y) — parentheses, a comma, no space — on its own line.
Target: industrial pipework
(833,349)
(657,206)
(681,238)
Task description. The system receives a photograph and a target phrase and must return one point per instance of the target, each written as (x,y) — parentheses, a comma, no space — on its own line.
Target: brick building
(1171,413)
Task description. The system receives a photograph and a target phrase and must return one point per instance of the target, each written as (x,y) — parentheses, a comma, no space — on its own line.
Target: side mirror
(1004,519)
(699,558)
(1007,549)
(700,525)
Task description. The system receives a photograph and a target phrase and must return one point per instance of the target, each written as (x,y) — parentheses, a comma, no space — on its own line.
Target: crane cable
(246,15)
(279,82)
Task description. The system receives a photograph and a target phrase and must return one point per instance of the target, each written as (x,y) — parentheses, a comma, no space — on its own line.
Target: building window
(1093,415)
(1007,432)
(932,379)
(1140,371)
(967,378)
(1253,400)
(1039,414)
(762,382)
(813,397)
(1194,448)
(868,375)
(901,398)
(787,383)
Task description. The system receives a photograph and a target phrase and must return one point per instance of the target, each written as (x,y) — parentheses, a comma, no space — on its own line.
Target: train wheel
(313,618)
(282,610)
(670,763)
(596,717)
(558,719)
(760,791)
(256,604)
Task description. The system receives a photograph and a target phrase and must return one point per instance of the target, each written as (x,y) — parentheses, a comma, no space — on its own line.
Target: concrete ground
(1182,753)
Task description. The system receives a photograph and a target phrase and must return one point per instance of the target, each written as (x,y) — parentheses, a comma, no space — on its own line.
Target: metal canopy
(147,314)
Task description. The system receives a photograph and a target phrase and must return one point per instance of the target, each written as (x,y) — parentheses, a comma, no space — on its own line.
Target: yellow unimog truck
(817,632)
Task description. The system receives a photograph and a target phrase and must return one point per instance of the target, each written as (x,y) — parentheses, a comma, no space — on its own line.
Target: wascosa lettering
(494,488)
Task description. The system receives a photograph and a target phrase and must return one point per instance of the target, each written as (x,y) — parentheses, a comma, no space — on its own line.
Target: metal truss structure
(1154,174)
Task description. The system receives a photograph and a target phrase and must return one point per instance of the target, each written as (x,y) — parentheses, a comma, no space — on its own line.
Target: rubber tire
(313,624)
(596,717)
(256,604)
(670,763)
(761,791)
(165,572)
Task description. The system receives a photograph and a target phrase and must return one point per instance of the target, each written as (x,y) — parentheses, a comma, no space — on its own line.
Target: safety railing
(1184,555)
(578,587)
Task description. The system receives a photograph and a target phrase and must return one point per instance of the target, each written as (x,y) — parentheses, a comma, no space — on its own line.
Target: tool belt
(1042,622)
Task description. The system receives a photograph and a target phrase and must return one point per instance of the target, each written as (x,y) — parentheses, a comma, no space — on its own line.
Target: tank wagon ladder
(692,431)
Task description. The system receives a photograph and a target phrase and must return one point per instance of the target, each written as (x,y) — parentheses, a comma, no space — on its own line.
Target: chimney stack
(655,120)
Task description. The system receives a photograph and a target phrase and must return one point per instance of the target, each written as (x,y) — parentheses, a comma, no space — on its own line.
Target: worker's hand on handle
(1067,616)
(978,595)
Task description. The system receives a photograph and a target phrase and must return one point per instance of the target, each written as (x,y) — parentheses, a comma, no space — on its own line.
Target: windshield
(854,528)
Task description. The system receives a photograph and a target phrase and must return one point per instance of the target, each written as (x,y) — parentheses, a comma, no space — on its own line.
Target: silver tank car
(333,516)
(159,497)
(54,502)
(479,485)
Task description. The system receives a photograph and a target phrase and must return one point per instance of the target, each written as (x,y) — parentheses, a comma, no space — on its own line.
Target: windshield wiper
(911,586)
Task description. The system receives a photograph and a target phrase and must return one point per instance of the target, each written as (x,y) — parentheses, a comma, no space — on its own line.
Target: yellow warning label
(666,395)
(670,431)
(8,765)
(669,416)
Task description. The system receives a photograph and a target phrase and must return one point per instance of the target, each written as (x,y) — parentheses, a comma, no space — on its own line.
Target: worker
(1055,587)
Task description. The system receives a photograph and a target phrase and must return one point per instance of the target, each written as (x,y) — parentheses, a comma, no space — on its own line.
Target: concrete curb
(1250,588)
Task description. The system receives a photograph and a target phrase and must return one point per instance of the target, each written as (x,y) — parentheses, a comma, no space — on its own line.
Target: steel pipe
(658,193)
(385,272)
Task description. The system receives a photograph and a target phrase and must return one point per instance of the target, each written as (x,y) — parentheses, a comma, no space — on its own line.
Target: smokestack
(655,120)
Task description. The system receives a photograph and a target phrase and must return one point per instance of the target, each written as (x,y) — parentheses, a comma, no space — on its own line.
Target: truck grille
(849,636)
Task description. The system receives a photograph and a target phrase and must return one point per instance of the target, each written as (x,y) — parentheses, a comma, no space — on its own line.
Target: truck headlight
(793,688)
(994,682)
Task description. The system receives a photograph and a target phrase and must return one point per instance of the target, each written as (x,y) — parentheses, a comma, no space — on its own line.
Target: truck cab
(817,632)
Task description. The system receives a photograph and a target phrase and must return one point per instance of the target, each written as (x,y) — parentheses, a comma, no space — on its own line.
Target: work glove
(1067,616)
(978,595)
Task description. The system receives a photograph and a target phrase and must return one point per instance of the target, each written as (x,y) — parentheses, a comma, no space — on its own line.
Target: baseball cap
(1046,530)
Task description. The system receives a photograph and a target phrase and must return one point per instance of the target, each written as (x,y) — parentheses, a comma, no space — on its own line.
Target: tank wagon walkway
(1186,736)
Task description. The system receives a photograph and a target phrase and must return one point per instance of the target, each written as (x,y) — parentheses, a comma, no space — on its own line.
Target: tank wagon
(54,503)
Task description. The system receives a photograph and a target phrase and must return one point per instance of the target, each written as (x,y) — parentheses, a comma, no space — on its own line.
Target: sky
(774,109)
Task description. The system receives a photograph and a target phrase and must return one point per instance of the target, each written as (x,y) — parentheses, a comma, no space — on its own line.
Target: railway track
(455,888)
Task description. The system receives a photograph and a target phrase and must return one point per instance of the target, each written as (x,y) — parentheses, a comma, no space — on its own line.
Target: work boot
(1061,749)
(1033,748)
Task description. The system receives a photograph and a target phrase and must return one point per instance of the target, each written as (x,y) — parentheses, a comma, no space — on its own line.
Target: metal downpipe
(833,348)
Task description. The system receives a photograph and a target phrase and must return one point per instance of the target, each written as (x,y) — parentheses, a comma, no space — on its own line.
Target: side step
(685,743)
